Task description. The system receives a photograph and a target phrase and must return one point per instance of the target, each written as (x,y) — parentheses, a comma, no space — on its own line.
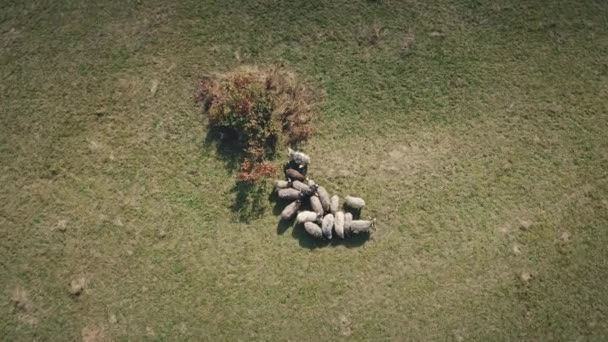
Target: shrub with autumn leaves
(264,108)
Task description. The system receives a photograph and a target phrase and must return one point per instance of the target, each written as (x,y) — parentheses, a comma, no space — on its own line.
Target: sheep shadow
(277,208)
(249,200)
(249,197)
(309,242)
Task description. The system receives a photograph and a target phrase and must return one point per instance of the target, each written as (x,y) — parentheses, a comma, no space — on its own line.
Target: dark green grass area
(475,131)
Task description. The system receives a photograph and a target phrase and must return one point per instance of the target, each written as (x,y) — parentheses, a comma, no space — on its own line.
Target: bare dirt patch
(22,306)
(516,249)
(525,224)
(77,285)
(565,237)
(345,326)
(526,277)
(62,225)
(92,334)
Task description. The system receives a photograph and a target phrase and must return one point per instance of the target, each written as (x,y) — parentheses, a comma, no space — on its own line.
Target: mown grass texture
(474,130)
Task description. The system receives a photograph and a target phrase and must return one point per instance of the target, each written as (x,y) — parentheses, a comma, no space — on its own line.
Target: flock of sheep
(324,217)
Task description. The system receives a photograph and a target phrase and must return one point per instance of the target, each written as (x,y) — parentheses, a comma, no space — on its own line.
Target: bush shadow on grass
(227,145)
(249,203)
(249,200)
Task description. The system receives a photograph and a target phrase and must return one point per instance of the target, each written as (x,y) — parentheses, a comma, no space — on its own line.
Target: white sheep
(289,194)
(304,188)
(339,224)
(315,204)
(361,226)
(354,202)
(327,225)
(299,157)
(290,210)
(313,229)
(334,204)
(324,197)
(306,216)
(348,219)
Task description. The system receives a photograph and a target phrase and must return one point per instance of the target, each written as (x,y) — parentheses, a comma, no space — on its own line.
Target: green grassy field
(475,130)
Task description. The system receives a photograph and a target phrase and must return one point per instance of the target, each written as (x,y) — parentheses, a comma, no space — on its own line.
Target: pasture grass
(475,131)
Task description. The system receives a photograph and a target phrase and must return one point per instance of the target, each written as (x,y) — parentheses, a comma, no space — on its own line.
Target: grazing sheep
(339,224)
(348,219)
(354,202)
(326,215)
(313,229)
(305,189)
(290,210)
(281,184)
(306,216)
(361,226)
(289,194)
(327,225)
(294,175)
(315,204)
(299,157)
(324,197)
(334,204)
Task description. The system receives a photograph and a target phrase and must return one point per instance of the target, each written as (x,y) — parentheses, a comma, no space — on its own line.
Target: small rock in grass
(526,277)
(77,286)
(62,225)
